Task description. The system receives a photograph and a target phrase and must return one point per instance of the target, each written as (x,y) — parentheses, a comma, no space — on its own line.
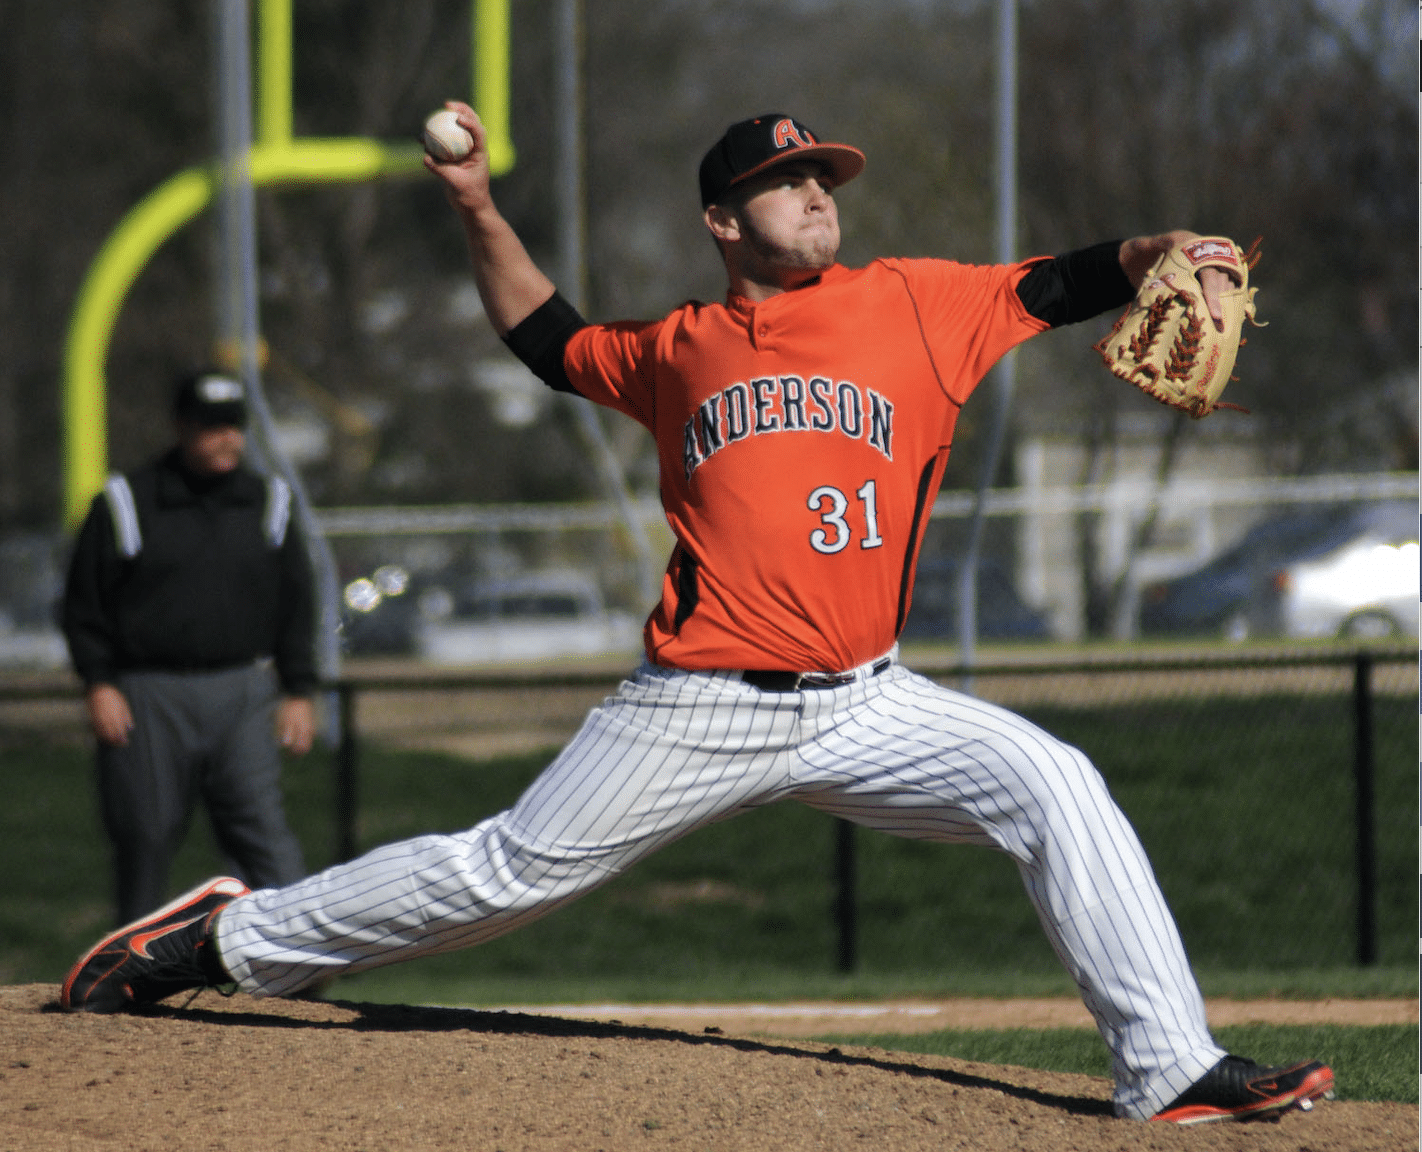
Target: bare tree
(1134,116)
(1174,120)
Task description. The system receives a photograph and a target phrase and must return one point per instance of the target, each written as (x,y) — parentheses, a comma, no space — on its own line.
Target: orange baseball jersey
(801,443)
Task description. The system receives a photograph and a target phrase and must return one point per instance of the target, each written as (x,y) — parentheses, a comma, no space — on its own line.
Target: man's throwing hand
(466,177)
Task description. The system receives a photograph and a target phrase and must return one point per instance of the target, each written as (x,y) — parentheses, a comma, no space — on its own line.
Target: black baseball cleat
(167,951)
(1239,1089)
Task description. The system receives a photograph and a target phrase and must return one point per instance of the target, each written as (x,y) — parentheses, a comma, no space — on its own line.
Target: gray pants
(207,734)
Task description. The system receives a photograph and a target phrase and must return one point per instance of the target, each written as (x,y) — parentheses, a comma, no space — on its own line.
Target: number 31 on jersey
(832,504)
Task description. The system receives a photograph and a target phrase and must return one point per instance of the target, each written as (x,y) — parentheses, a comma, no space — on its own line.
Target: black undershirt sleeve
(1076,285)
(540,337)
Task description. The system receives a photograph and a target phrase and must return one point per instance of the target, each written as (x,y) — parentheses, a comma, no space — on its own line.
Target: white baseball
(445,139)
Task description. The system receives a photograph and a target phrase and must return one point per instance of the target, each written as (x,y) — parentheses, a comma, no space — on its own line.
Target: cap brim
(216,415)
(844,162)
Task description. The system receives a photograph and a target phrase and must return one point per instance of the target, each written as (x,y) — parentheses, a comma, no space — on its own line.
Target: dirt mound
(271,1075)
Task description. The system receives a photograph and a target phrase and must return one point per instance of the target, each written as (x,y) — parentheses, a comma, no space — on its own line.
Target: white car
(533,617)
(1366,589)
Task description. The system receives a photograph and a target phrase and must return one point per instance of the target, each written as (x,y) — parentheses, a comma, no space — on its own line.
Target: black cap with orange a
(751,146)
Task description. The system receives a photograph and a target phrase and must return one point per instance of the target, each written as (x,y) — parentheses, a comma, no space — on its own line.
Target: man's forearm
(510,284)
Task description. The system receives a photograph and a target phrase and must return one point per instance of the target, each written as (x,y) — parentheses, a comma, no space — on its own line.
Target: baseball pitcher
(802,425)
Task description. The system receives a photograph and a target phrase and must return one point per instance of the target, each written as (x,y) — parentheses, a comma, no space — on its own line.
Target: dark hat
(754,145)
(211,399)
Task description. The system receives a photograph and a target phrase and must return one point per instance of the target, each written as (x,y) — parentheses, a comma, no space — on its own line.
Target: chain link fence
(1275,791)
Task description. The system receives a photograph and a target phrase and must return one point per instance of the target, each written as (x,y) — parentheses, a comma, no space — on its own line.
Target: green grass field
(1251,839)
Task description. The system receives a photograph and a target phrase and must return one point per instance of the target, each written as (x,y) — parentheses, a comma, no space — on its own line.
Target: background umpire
(189,616)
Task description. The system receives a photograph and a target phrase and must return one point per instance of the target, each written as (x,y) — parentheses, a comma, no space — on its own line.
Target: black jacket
(206,589)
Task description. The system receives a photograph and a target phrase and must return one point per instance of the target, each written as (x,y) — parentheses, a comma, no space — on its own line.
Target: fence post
(1367,835)
(844,904)
(346,756)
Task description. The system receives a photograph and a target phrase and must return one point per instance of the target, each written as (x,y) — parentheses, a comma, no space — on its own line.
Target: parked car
(533,616)
(1002,613)
(1340,570)
(1366,589)
(31,587)
(379,613)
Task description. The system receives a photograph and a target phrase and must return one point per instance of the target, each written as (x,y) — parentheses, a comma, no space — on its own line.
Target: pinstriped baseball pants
(673,751)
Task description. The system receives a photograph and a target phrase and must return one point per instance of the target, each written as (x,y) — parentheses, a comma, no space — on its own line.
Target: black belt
(775,681)
(197,666)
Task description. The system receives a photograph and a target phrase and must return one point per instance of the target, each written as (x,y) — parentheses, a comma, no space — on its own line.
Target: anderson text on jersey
(772,404)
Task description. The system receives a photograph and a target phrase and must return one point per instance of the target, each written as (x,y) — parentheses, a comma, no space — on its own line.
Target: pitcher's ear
(724,224)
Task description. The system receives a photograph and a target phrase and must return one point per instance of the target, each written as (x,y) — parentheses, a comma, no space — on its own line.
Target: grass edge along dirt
(1371,1063)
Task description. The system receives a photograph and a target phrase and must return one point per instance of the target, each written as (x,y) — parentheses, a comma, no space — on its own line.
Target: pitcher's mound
(271,1075)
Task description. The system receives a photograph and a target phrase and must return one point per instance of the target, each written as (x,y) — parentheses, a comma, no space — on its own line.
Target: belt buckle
(824,679)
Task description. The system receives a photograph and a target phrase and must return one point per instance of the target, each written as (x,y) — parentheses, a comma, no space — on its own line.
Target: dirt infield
(266,1076)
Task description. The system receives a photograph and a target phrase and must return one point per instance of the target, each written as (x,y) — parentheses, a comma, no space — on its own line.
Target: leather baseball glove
(1166,343)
